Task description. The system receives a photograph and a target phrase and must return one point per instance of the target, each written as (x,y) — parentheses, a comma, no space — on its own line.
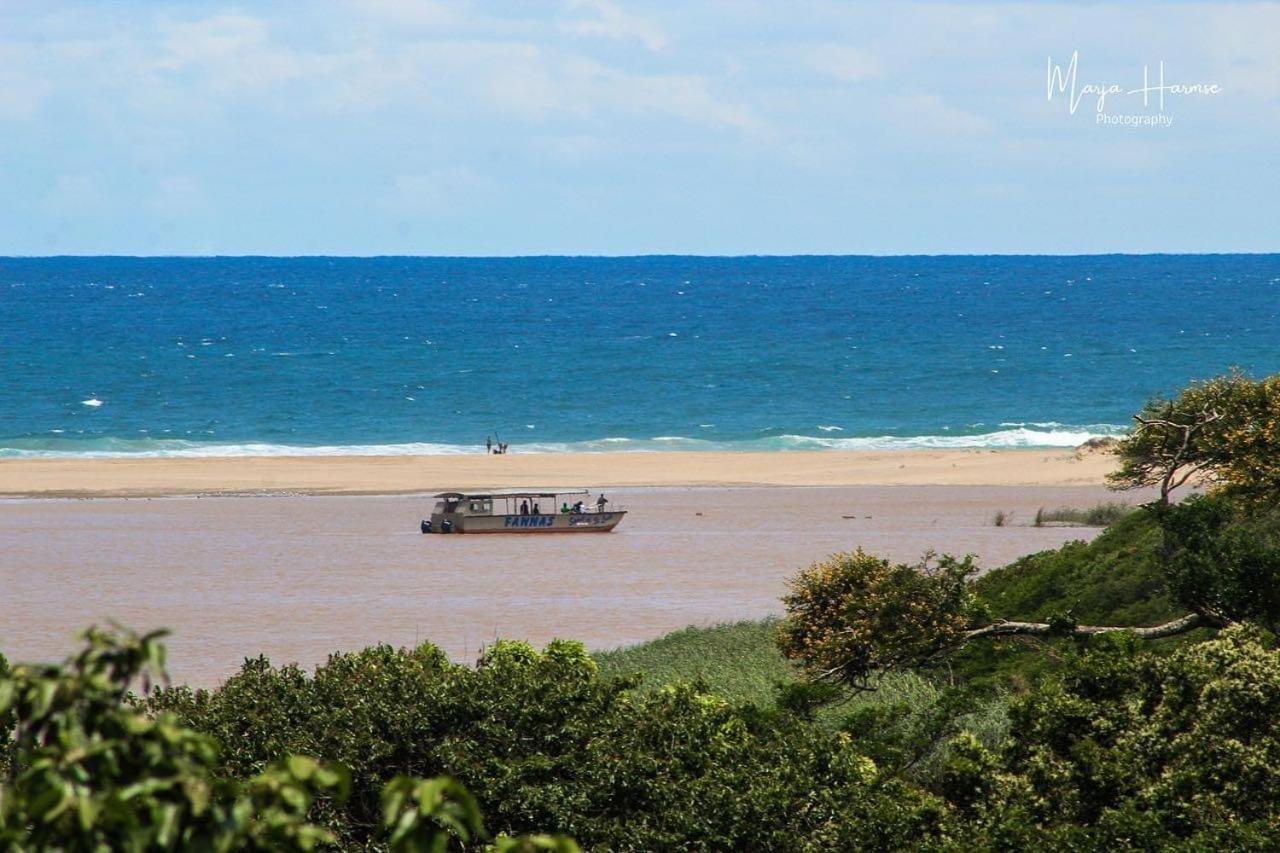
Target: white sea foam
(93,402)
(1005,438)
(1057,435)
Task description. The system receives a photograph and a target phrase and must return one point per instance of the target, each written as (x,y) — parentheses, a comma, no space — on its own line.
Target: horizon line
(320,256)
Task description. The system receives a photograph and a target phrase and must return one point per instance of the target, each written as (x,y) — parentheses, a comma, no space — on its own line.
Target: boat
(521,512)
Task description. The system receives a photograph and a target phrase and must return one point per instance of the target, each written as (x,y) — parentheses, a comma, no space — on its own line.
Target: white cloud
(233,59)
(687,96)
(410,14)
(573,147)
(611,21)
(539,84)
(100,102)
(234,50)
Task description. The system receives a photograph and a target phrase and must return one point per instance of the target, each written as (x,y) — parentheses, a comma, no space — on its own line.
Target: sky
(602,127)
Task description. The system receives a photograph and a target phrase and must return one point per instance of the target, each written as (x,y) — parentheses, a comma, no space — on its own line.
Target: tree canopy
(855,615)
(88,768)
(1221,432)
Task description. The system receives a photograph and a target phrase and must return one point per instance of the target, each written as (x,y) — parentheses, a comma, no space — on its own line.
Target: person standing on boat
(600,502)
(524,507)
(537,510)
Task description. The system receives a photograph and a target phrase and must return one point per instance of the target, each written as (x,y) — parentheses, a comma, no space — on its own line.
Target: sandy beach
(387,475)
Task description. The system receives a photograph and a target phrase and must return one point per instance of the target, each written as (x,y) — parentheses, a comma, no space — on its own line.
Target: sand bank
(365,475)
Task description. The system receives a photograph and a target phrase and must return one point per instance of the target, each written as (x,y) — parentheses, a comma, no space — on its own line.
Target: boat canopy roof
(491,495)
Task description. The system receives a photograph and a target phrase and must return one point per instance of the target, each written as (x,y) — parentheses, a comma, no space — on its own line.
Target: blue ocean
(231,356)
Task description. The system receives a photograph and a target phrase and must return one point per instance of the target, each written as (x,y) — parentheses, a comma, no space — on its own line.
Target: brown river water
(298,577)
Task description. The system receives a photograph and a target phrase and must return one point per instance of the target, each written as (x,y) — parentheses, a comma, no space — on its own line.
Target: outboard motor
(446,526)
(426,525)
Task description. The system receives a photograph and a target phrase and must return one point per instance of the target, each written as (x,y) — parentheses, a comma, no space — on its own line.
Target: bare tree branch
(1171,460)
(1043,629)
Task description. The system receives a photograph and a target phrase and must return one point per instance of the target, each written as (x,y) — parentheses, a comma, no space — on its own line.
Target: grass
(737,660)
(740,662)
(1001,518)
(1113,580)
(1098,515)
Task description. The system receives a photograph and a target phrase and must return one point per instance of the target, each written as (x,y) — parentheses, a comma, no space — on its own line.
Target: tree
(86,771)
(1125,748)
(542,740)
(1222,558)
(88,768)
(854,615)
(1224,431)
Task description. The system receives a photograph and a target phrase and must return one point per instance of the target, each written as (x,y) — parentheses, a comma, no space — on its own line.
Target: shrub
(854,615)
(1098,515)
(543,741)
(88,770)
(1161,750)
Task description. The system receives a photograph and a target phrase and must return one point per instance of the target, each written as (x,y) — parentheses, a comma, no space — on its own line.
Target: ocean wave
(123,448)
(1058,435)
(1004,438)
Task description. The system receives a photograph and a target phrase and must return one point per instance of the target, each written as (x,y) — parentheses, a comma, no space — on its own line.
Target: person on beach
(600,502)
(488,444)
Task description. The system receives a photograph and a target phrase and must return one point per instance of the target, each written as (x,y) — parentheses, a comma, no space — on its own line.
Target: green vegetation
(87,769)
(737,661)
(1129,750)
(1224,431)
(741,662)
(1098,515)
(544,741)
(853,617)
(1115,579)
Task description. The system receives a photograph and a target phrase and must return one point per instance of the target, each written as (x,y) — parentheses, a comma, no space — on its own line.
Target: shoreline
(405,475)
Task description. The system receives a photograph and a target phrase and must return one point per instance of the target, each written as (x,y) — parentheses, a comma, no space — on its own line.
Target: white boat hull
(567,522)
